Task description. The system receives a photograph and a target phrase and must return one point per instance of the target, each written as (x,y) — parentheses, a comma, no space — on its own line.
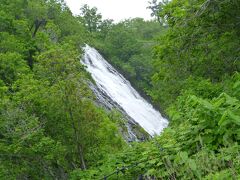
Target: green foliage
(12,66)
(49,123)
(121,42)
(202,42)
(90,18)
(202,142)
(50,127)
(157,8)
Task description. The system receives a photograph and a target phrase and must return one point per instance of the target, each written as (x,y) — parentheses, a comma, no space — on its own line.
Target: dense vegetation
(187,62)
(49,124)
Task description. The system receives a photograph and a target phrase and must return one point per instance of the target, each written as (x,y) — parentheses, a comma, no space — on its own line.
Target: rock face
(113,91)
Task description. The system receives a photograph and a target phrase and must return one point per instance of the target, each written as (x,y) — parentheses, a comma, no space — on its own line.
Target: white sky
(114,9)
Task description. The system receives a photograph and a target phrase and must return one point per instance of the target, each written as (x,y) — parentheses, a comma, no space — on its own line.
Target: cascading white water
(121,92)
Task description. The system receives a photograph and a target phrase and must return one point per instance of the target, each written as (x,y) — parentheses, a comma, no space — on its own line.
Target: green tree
(157,8)
(91,18)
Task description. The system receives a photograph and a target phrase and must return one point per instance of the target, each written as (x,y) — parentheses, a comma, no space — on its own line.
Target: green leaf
(192,164)
(184,156)
(153,161)
(223,119)
(235,118)
(151,171)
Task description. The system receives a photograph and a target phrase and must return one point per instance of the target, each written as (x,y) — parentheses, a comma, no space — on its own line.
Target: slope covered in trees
(49,124)
(50,127)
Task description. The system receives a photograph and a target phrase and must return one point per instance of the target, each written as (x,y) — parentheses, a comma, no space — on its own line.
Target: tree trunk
(37,25)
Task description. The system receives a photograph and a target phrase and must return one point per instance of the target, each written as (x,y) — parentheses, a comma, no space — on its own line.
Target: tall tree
(91,18)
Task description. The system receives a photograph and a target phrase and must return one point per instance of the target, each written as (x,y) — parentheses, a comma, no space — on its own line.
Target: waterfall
(119,91)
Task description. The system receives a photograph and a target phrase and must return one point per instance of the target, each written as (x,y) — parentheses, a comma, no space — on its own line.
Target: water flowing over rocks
(114,91)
